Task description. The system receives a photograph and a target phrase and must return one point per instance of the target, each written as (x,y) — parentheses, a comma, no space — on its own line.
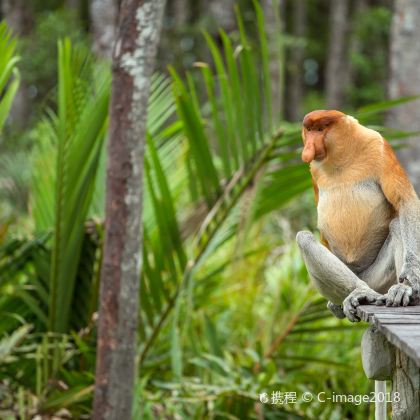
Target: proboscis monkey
(368,216)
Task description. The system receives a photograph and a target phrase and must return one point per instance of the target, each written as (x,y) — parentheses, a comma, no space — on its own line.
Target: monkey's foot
(410,276)
(359,296)
(337,310)
(399,295)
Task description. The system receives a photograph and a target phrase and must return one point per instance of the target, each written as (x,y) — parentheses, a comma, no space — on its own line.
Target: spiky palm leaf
(12,191)
(213,154)
(225,148)
(9,75)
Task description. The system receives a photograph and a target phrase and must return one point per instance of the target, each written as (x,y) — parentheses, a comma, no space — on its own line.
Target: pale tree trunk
(354,44)
(404,80)
(19,17)
(179,12)
(196,10)
(223,14)
(73,4)
(337,53)
(103,14)
(274,11)
(133,63)
(297,55)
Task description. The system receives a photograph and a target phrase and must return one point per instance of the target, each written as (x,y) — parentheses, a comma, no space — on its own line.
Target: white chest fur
(354,219)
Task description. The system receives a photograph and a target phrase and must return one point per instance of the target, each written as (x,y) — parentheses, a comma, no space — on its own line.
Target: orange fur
(394,180)
(359,185)
(316,194)
(354,153)
(321,118)
(315,125)
(316,191)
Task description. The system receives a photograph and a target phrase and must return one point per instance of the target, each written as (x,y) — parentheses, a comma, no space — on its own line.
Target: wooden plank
(390,309)
(402,321)
(402,318)
(403,340)
(400,326)
(366,312)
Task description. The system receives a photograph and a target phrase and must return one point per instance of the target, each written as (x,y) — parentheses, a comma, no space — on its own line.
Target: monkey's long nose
(308,153)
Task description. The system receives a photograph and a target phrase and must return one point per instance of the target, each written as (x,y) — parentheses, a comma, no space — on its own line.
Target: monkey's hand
(336,310)
(410,276)
(357,297)
(399,295)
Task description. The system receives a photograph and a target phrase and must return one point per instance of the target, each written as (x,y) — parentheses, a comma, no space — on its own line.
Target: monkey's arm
(333,279)
(400,193)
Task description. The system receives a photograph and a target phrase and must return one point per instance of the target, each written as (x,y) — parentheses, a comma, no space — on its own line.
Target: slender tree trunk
(103,14)
(73,4)
(19,17)
(404,80)
(337,53)
(133,59)
(223,14)
(294,104)
(354,44)
(196,11)
(180,12)
(274,11)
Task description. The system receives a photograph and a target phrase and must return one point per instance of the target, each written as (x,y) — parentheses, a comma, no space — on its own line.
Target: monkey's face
(316,125)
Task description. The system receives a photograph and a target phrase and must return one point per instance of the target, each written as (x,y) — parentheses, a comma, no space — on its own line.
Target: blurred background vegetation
(227,311)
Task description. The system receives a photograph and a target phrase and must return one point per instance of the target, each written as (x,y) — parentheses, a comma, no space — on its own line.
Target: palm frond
(9,75)
(225,147)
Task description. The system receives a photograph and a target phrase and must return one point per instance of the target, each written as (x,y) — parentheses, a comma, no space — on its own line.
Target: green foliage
(63,189)
(9,75)
(222,166)
(80,128)
(370,59)
(227,311)
(39,53)
(52,281)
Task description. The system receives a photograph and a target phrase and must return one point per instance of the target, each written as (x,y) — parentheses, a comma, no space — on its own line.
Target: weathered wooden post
(378,359)
(391,351)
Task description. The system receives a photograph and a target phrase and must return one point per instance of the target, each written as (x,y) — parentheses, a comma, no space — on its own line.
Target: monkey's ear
(322,117)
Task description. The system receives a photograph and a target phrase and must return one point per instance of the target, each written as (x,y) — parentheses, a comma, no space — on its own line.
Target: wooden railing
(391,352)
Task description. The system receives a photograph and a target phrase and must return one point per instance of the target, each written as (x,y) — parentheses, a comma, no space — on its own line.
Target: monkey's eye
(320,129)
(308,129)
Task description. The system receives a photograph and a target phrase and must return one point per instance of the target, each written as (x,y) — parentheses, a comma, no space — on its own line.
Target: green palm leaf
(225,147)
(80,128)
(9,75)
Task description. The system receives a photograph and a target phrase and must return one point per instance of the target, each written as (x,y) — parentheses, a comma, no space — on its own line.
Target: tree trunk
(294,105)
(404,80)
(180,12)
(354,43)
(19,17)
(274,24)
(223,14)
(133,62)
(103,14)
(337,53)
(73,4)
